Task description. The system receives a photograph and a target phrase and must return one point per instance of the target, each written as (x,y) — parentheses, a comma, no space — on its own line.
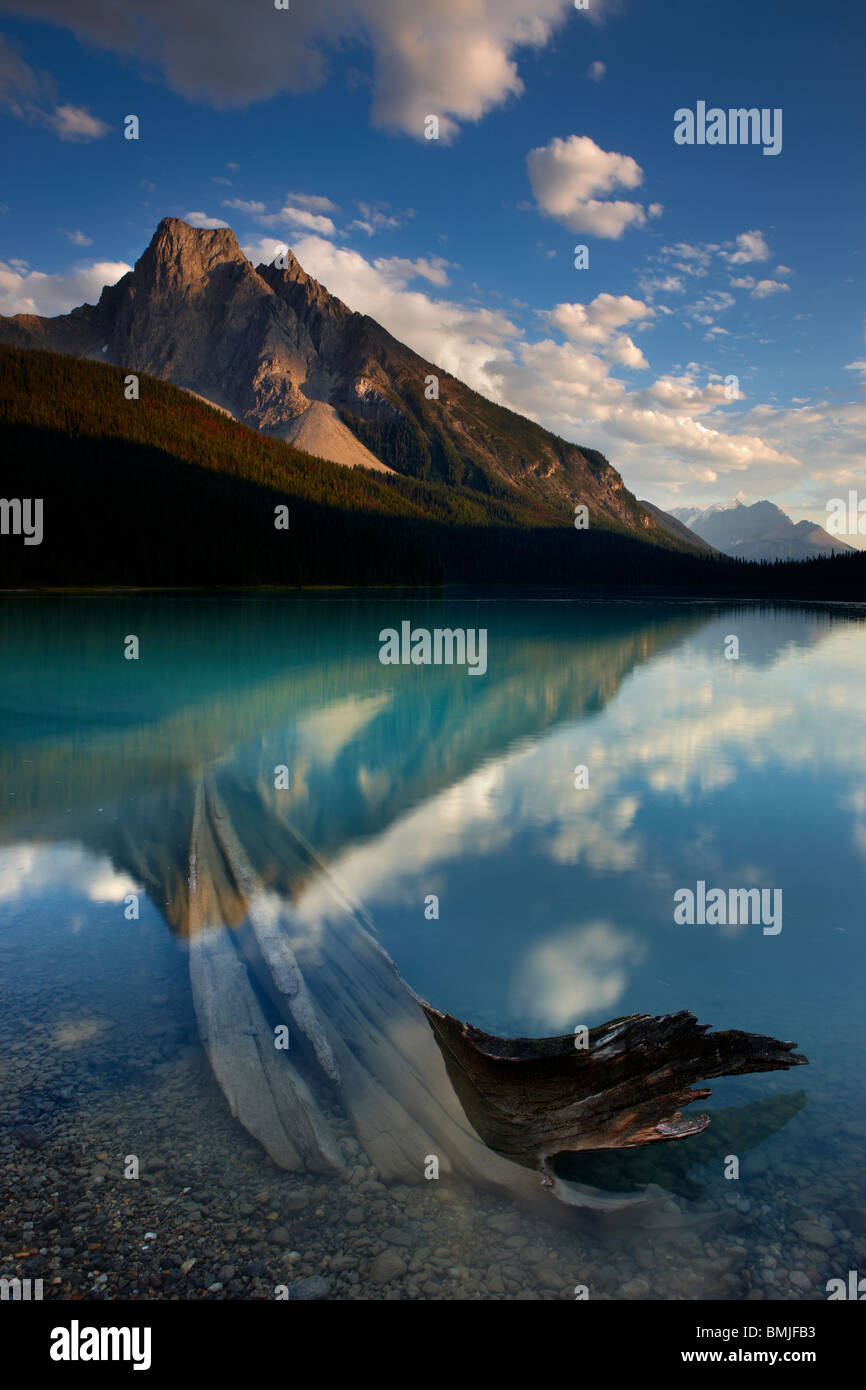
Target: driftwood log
(533,1098)
(414,1082)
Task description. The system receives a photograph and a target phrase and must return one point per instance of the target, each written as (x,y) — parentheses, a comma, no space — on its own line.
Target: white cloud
(29,870)
(652,285)
(78,238)
(435,269)
(749,246)
(239,205)
(592,323)
(688,259)
(22,90)
(307,221)
(25,291)
(313,202)
(455,59)
(760,289)
(859,367)
(597,71)
(201,219)
(76,123)
(567,177)
(596,324)
(375,217)
(576,974)
(303,212)
(766,287)
(714,302)
(264,250)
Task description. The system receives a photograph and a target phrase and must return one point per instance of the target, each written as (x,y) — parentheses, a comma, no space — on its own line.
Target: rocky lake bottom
(210,1217)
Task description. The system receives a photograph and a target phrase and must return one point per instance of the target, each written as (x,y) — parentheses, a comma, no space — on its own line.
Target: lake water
(411,791)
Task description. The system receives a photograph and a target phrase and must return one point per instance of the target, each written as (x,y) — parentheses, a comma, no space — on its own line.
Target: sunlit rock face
(266,343)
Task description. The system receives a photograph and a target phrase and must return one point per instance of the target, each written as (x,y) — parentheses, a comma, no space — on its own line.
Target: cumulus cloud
(570,179)
(749,246)
(201,219)
(593,322)
(78,238)
(767,287)
(597,324)
(434,269)
(25,291)
(597,70)
(307,221)
(304,212)
(759,289)
(455,59)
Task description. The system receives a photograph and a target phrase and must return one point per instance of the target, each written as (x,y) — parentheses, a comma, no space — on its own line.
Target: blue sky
(306,128)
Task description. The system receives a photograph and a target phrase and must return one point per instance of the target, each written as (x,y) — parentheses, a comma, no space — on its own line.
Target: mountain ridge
(758,531)
(266,342)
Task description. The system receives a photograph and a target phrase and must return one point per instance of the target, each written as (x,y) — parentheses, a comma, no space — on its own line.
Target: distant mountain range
(676,529)
(761,531)
(274,349)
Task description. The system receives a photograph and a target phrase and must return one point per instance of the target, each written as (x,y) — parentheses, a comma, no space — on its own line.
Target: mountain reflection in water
(555,903)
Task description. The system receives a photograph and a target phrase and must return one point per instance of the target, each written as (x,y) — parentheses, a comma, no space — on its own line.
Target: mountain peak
(758,531)
(272,347)
(192,249)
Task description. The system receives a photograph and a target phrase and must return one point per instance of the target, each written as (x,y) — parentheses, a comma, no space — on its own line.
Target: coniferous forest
(166,490)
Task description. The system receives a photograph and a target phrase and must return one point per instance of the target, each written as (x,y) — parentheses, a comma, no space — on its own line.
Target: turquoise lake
(444,808)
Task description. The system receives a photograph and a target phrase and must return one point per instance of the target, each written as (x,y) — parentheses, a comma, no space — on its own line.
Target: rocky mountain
(761,531)
(273,348)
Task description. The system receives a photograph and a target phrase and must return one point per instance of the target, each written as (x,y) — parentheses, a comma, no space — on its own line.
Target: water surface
(555,909)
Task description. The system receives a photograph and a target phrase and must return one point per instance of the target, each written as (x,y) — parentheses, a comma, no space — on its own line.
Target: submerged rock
(310,1289)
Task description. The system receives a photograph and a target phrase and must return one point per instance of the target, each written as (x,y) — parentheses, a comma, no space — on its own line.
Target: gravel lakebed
(209,1216)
